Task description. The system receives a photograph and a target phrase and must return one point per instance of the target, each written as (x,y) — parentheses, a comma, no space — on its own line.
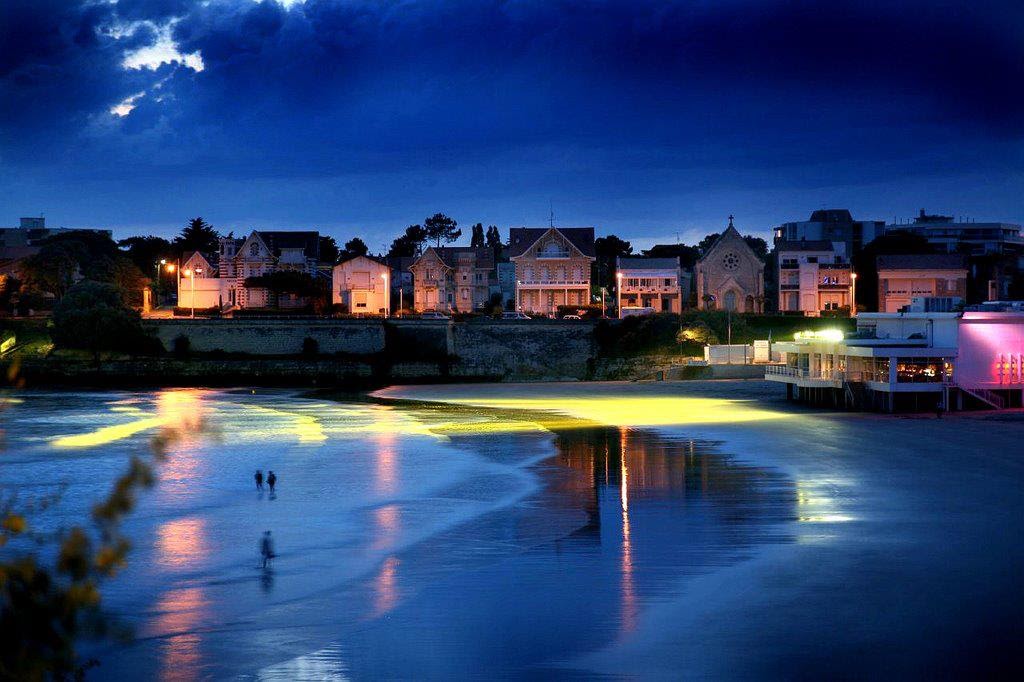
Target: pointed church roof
(730,231)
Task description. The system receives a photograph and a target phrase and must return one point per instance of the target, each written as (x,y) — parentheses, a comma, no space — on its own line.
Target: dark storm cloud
(346,87)
(384,77)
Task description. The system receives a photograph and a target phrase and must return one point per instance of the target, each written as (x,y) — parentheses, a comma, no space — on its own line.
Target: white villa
(552,267)
(260,253)
(362,285)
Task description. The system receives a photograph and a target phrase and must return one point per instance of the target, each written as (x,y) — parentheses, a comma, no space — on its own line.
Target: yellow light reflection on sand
(108,434)
(634,411)
(180,409)
(306,428)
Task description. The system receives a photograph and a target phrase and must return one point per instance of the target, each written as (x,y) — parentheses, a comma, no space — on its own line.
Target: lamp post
(618,293)
(156,286)
(191,274)
(604,313)
(387,294)
(853,294)
(519,296)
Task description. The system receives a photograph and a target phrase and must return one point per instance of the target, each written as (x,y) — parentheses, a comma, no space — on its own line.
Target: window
(254,249)
(465,294)
(812,259)
(668,281)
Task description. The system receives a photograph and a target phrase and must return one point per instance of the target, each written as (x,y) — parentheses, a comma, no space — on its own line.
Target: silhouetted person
(266,548)
(271,480)
(259,479)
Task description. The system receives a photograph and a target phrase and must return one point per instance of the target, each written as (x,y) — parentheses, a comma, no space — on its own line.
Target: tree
(440,227)
(494,238)
(606,250)
(697,332)
(756,244)
(328,250)
(285,282)
(409,244)
(353,248)
(865,263)
(477,241)
(687,255)
(147,252)
(198,235)
(126,277)
(68,257)
(93,316)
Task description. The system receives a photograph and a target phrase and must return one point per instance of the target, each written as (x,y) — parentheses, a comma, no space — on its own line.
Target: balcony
(538,283)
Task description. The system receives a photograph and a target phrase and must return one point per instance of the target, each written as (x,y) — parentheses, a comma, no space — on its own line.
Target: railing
(553,254)
(650,290)
(797,373)
(986,396)
(555,282)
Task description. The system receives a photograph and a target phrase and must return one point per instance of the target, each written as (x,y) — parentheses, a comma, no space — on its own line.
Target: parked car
(571,317)
(515,315)
(433,315)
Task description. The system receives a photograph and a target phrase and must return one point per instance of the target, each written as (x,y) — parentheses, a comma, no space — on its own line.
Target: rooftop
(923,261)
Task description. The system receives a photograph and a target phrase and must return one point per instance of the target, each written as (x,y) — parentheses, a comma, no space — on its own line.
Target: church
(730,276)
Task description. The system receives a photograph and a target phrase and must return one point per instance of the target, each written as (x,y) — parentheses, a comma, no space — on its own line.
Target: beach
(699,529)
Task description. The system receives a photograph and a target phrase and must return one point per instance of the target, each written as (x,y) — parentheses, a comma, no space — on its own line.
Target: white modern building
(910,361)
(650,285)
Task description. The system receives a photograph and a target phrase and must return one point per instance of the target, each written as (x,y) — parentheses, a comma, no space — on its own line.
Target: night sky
(645,119)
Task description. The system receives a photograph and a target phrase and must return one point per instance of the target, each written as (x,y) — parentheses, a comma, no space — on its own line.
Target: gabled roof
(804,245)
(923,261)
(627,263)
(520,239)
(449,255)
(372,259)
(730,232)
(308,241)
(211,258)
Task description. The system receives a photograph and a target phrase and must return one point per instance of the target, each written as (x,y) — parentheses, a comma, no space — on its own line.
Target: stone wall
(272,336)
(515,351)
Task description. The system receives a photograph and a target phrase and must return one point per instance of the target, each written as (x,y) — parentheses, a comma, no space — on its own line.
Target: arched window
(750,305)
(729,302)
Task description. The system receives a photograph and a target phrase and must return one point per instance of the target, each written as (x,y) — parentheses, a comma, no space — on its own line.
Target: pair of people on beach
(271,479)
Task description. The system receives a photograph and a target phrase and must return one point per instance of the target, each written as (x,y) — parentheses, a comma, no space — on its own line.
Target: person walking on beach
(259,479)
(266,548)
(271,480)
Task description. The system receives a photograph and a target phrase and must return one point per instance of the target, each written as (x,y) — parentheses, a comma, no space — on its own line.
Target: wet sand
(693,529)
(905,555)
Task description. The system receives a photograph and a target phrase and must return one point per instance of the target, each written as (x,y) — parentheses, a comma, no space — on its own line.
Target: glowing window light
(834,335)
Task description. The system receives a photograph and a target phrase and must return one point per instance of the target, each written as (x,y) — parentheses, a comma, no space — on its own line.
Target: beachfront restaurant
(894,361)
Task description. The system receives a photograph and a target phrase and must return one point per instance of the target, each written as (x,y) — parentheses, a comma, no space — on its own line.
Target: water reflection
(182,611)
(182,543)
(385,586)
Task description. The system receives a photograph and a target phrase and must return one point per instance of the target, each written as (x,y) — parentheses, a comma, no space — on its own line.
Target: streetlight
(191,274)
(519,296)
(156,286)
(853,294)
(387,294)
(618,293)
(604,314)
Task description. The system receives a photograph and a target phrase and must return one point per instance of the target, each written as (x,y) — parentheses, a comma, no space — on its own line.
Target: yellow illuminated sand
(109,434)
(619,410)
